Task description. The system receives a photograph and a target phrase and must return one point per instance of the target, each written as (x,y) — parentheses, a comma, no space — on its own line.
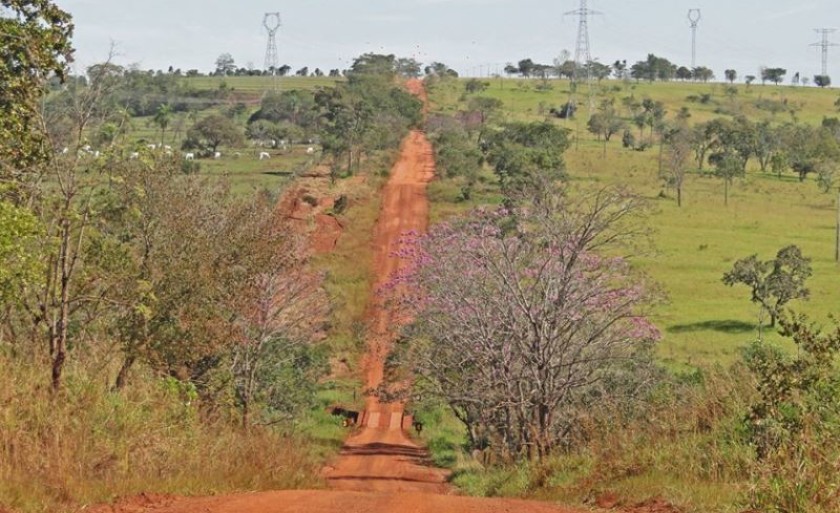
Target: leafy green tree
(673,173)
(163,117)
(606,122)
(731,75)
(749,79)
(34,46)
(653,68)
(703,74)
(213,131)
(527,156)
(773,283)
(375,64)
(475,85)
(683,73)
(19,262)
(822,80)
(775,75)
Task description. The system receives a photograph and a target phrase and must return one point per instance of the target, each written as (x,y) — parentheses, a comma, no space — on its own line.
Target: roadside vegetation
(164,325)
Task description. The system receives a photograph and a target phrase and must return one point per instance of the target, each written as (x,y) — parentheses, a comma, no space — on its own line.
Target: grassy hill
(702,320)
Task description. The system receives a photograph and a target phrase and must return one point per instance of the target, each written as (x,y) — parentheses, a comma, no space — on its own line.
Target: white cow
(217,155)
(264,155)
(310,150)
(65,150)
(189,156)
(134,155)
(152,147)
(167,148)
(96,154)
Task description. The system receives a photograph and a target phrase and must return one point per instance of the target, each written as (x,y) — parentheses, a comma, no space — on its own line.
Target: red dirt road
(380,469)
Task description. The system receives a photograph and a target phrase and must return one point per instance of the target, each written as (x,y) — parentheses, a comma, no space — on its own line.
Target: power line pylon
(271,22)
(694,19)
(583,50)
(824,45)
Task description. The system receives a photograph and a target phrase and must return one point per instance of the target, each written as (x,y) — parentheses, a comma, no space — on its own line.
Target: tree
(407,68)
(375,64)
(518,316)
(526,157)
(773,283)
(526,67)
(225,65)
(162,118)
(212,132)
(606,122)
(728,167)
(475,85)
(678,154)
(775,75)
(34,46)
(749,79)
(822,80)
(683,73)
(702,74)
(731,75)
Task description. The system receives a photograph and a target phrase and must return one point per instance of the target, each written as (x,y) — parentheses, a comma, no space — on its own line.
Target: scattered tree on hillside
(749,79)
(822,80)
(773,283)
(606,122)
(683,73)
(731,75)
(653,68)
(775,75)
(526,157)
(703,74)
(728,167)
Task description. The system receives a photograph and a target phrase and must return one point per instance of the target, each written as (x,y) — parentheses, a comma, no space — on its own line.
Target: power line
(694,19)
(825,44)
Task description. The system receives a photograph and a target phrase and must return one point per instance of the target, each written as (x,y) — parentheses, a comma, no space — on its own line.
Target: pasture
(702,320)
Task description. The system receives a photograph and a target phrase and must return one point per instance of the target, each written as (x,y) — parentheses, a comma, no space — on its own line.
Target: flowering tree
(518,315)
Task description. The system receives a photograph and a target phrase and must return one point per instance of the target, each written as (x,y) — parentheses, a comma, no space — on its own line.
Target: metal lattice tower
(694,19)
(271,22)
(825,44)
(583,50)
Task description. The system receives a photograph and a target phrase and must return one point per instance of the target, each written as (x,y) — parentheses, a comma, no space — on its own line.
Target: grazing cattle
(217,155)
(65,150)
(167,148)
(264,155)
(86,147)
(310,150)
(152,146)
(134,155)
(189,156)
(96,154)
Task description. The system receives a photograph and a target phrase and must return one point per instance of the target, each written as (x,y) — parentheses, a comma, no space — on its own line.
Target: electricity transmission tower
(271,22)
(825,44)
(583,51)
(694,19)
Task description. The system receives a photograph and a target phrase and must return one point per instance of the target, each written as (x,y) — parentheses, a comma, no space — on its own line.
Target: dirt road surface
(380,469)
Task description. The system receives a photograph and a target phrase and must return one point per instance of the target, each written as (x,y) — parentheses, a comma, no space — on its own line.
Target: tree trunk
(679,196)
(726,193)
(122,376)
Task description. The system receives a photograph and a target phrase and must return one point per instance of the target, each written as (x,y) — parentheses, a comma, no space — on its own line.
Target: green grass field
(258,85)
(702,321)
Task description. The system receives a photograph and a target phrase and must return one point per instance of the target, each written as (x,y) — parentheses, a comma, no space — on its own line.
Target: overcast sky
(739,34)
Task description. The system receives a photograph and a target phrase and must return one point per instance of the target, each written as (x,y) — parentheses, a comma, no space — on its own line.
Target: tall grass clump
(87,444)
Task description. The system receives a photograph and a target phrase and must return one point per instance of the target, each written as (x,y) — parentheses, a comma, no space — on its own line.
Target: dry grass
(89,445)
